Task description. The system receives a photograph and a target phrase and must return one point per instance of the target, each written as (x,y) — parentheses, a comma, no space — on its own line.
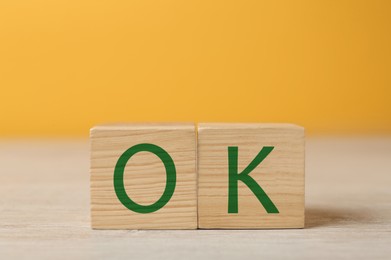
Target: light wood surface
(280,175)
(44,209)
(145,177)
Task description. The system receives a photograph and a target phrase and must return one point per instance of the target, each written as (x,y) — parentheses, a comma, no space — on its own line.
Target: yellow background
(67,65)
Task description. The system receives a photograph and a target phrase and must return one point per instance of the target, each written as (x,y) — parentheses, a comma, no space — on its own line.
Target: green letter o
(119,178)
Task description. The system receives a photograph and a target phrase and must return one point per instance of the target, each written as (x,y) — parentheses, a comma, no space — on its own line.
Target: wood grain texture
(144,176)
(281,175)
(45,209)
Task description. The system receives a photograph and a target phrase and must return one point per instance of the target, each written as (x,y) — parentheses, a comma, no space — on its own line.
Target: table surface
(44,209)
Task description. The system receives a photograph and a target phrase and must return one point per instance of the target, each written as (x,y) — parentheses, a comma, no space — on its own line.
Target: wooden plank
(279,173)
(45,213)
(155,185)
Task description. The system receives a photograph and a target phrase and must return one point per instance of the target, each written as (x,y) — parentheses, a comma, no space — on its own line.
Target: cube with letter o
(143,176)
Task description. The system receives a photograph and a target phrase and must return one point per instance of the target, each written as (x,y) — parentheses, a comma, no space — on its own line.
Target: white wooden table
(44,209)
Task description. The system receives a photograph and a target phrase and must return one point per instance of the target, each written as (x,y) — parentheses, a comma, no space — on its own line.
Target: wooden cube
(250,176)
(143,176)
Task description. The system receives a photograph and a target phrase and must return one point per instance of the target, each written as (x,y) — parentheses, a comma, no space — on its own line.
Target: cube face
(135,157)
(280,175)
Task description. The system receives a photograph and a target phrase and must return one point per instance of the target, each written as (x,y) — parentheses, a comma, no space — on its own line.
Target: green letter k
(244,176)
